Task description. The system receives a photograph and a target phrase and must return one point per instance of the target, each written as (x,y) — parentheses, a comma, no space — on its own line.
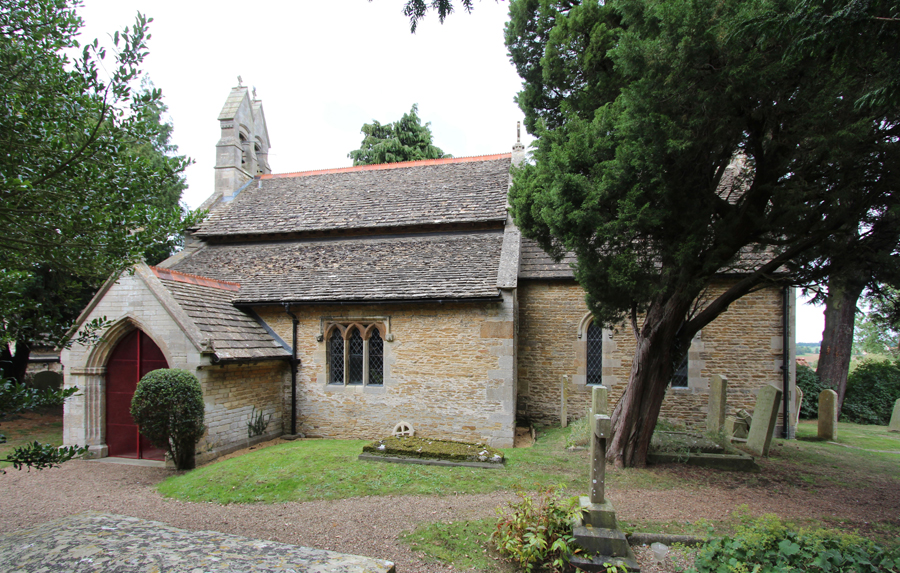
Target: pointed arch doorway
(134,355)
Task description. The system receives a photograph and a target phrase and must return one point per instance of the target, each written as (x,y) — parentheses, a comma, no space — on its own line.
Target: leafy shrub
(538,532)
(766,545)
(808,381)
(168,407)
(872,389)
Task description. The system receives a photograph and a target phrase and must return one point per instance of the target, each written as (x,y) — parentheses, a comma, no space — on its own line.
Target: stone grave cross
(601,434)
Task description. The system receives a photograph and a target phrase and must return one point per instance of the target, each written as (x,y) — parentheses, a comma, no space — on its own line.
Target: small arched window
(355,355)
(594,365)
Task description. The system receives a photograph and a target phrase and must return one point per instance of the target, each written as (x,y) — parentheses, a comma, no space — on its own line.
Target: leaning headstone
(745,416)
(715,418)
(765,415)
(736,428)
(828,415)
(895,418)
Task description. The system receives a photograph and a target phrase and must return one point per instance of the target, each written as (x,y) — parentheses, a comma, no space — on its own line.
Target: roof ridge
(181,277)
(381,166)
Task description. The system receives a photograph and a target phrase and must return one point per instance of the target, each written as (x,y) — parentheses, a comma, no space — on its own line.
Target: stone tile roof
(396,195)
(534,263)
(233,334)
(372,268)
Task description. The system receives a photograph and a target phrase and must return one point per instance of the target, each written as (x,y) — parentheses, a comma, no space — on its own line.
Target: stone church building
(406,294)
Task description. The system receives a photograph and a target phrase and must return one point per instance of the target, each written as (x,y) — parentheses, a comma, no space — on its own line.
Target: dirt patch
(524,438)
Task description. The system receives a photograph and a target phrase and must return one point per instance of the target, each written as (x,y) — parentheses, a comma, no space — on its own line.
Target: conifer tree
(404,140)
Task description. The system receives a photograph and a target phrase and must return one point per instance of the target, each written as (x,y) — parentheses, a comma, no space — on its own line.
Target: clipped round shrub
(808,381)
(872,389)
(168,407)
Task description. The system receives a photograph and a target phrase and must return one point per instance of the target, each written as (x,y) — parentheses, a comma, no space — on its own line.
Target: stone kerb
(828,415)
(765,414)
(895,418)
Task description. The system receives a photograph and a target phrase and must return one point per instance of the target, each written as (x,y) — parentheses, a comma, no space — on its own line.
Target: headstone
(736,428)
(715,418)
(563,396)
(765,415)
(799,405)
(895,418)
(745,416)
(828,415)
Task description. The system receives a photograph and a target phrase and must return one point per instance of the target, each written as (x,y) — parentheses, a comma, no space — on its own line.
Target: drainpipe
(294,363)
(785,364)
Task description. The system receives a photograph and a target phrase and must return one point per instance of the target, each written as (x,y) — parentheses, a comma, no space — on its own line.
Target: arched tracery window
(355,355)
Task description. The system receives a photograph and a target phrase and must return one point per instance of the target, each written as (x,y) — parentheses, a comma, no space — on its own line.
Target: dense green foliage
(168,407)
(878,324)
(808,381)
(16,398)
(872,389)
(766,545)
(404,140)
(676,140)
(86,180)
(537,532)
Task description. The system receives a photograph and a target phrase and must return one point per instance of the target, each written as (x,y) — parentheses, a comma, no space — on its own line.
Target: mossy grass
(425,448)
(462,544)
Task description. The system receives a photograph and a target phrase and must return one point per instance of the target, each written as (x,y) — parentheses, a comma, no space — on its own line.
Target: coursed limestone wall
(449,372)
(743,345)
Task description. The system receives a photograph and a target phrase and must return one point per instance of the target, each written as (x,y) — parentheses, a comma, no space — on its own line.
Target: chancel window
(594,366)
(355,354)
(680,378)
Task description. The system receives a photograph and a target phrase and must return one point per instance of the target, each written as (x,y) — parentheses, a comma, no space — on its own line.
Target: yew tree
(678,140)
(403,140)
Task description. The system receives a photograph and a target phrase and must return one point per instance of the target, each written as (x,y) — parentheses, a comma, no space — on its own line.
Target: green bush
(808,381)
(766,545)
(168,407)
(872,389)
(538,533)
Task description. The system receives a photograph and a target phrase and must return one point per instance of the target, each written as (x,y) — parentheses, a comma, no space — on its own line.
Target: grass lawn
(45,427)
(328,469)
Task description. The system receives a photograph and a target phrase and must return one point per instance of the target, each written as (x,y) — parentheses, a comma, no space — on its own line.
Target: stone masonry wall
(448,372)
(230,393)
(743,345)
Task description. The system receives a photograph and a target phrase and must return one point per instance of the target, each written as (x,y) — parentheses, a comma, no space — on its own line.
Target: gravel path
(369,526)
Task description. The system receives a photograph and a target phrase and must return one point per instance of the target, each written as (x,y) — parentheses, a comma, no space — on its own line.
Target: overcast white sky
(322,69)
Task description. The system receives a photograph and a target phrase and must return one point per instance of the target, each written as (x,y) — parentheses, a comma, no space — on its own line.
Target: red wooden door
(134,356)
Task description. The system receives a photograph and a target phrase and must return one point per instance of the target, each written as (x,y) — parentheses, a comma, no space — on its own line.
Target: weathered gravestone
(765,415)
(718,390)
(597,531)
(895,418)
(736,428)
(828,415)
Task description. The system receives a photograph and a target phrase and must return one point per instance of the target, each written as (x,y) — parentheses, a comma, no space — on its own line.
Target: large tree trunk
(14,365)
(634,417)
(837,338)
